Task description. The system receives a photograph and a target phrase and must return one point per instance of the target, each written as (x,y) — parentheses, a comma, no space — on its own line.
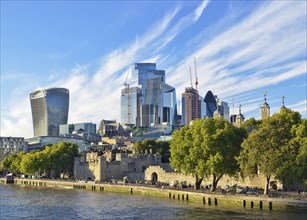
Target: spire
(265,93)
(283,101)
(240,109)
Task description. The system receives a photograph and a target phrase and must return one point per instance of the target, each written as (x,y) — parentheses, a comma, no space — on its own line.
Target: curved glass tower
(49,110)
(210,103)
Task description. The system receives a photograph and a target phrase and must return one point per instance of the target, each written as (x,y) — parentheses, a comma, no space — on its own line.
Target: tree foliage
(206,148)
(157,147)
(294,155)
(268,148)
(57,157)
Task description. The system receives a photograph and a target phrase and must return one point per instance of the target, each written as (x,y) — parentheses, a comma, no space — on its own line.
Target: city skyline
(242,49)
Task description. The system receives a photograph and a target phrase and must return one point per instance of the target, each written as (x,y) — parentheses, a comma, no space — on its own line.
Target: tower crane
(196,83)
(191,77)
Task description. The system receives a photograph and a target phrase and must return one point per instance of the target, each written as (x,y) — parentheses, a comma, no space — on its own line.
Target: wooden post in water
(270,205)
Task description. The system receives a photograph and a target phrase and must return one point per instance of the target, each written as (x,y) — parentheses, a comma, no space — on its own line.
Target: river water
(31,202)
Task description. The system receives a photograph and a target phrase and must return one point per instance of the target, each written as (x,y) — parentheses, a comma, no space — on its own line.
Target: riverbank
(207,199)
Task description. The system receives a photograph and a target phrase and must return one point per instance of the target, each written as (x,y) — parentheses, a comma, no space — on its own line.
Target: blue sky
(242,48)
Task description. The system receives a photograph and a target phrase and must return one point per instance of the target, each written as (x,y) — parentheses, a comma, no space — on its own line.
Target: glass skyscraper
(152,102)
(49,110)
(211,105)
(169,105)
(144,72)
(131,116)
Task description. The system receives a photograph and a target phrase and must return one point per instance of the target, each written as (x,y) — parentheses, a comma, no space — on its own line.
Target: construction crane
(191,77)
(196,83)
(127,88)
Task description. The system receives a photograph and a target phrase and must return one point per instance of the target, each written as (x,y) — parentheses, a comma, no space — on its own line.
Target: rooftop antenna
(196,83)
(191,77)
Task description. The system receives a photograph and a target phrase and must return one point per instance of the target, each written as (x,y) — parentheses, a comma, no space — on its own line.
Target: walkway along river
(258,206)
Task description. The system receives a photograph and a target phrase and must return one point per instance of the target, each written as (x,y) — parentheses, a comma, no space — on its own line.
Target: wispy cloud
(262,49)
(96,96)
(258,51)
(199,11)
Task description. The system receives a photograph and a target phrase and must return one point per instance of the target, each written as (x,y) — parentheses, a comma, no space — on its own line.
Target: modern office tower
(153,101)
(149,115)
(265,109)
(189,105)
(86,131)
(130,106)
(70,128)
(49,110)
(10,145)
(144,72)
(66,129)
(211,105)
(110,128)
(222,110)
(169,114)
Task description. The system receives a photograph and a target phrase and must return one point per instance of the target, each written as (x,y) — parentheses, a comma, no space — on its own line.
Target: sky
(242,49)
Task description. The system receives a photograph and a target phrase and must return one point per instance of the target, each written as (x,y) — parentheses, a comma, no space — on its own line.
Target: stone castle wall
(168,177)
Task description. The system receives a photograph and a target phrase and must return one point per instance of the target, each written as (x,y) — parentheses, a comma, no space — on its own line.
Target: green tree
(12,162)
(66,152)
(206,148)
(29,163)
(251,125)
(294,156)
(265,148)
(7,162)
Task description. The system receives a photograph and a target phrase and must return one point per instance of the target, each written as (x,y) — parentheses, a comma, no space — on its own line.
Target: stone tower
(239,118)
(265,109)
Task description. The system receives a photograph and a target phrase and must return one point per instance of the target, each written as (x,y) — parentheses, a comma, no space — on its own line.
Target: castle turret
(265,109)
(239,118)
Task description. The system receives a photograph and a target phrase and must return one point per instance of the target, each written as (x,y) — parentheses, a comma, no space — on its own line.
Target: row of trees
(58,158)
(214,147)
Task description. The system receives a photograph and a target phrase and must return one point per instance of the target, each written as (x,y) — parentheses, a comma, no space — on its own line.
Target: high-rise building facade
(222,110)
(211,105)
(144,72)
(154,101)
(169,104)
(9,145)
(49,110)
(130,105)
(70,128)
(190,109)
